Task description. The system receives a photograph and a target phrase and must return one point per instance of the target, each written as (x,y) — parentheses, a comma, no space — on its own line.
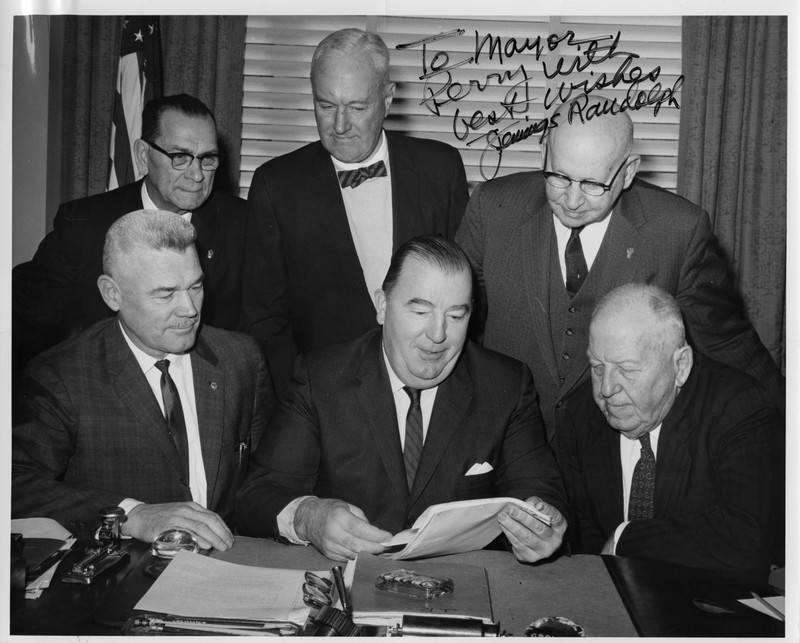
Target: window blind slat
(278,111)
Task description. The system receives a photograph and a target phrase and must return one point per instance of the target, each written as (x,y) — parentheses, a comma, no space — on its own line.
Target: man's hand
(337,529)
(531,539)
(145,522)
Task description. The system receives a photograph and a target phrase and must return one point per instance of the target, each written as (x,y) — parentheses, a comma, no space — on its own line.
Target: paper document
(778,602)
(37,530)
(454,527)
(195,585)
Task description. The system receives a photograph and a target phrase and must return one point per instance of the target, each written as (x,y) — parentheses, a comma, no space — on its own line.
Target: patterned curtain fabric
(732,155)
(202,56)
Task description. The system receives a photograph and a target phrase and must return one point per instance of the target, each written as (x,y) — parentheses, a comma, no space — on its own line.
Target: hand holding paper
(530,538)
(337,529)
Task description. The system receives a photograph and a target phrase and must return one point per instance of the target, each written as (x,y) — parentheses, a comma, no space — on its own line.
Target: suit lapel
(375,397)
(131,386)
(674,457)
(603,470)
(536,236)
(209,387)
(452,401)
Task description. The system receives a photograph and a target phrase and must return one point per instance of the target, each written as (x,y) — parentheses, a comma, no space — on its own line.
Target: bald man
(545,246)
(702,437)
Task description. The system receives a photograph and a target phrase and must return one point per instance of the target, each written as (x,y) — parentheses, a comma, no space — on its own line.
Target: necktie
(576,262)
(173,412)
(354,178)
(643,483)
(413,443)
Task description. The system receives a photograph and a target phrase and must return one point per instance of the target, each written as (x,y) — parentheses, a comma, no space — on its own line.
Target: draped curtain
(202,56)
(732,154)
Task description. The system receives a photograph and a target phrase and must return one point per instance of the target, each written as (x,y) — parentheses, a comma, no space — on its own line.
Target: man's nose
(609,385)
(437,329)
(573,196)
(187,307)
(341,121)
(194,171)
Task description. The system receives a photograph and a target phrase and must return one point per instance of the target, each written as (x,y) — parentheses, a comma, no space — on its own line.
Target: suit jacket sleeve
(459,194)
(470,237)
(713,311)
(42,447)
(285,464)
(265,298)
(736,529)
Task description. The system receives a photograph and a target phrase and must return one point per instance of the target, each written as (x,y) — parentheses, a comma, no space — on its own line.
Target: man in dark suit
(107,421)
(323,231)
(668,455)
(375,430)
(55,294)
(546,246)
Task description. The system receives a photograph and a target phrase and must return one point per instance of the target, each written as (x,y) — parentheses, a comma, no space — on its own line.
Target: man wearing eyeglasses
(55,294)
(545,246)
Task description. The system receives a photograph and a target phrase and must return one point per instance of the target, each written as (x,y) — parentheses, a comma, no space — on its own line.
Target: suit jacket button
(569,331)
(572,309)
(410,520)
(564,355)
(559,404)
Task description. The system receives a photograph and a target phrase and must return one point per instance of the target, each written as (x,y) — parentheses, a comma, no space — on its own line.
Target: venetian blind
(483,85)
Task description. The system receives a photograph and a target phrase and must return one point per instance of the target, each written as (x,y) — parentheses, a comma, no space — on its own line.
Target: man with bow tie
(373,431)
(325,219)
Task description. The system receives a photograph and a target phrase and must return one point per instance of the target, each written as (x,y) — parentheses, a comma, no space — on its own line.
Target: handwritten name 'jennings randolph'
(511,123)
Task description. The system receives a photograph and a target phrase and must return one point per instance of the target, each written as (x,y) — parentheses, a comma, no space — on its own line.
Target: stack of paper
(43,537)
(209,592)
(454,528)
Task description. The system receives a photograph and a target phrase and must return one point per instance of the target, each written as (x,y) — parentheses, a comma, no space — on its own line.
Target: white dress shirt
(180,369)
(147,203)
(369,213)
(591,240)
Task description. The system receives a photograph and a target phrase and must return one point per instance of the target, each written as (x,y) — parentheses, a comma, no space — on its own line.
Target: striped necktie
(643,483)
(413,442)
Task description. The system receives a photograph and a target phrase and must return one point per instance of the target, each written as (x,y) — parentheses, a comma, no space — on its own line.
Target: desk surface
(579,588)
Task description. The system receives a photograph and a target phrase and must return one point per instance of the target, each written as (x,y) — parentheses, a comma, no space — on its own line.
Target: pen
(774,610)
(338,578)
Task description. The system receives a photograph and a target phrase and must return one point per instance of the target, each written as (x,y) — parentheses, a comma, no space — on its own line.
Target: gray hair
(154,229)
(353,42)
(659,302)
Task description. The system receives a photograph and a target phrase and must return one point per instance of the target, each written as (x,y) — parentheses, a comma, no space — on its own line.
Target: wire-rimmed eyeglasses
(592,188)
(182,160)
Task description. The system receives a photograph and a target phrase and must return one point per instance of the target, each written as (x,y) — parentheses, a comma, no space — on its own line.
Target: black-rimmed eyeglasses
(592,188)
(182,160)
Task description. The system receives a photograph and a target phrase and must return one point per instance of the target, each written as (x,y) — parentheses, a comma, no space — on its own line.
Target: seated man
(705,488)
(55,294)
(348,459)
(109,422)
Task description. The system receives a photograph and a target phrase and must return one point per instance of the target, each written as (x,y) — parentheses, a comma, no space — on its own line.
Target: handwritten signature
(511,122)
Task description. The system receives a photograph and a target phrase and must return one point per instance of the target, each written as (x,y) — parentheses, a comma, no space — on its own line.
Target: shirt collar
(147,362)
(147,203)
(381,153)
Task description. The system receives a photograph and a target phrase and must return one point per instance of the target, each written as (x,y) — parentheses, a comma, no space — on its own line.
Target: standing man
(375,430)
(55,294)
(326,218)
(147,410)
(668,455)
(545,246)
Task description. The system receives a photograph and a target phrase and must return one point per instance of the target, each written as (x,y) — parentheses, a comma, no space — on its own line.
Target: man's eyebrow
(418,301)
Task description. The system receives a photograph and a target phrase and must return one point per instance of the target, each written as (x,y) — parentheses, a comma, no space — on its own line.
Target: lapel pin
(629,252)
(210,254)
(214,386)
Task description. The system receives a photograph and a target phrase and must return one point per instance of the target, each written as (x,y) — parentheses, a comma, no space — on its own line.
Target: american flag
(138,80)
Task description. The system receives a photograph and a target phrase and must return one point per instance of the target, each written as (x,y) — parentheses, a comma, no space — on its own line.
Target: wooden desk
(579,588)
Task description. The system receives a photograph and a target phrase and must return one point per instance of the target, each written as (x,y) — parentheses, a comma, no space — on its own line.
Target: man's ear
(683,358)
(380,305)
(140,154)
(634,160)
(388,97)
(109,291)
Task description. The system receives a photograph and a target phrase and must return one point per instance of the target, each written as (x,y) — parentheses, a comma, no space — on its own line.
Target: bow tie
(354,178)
